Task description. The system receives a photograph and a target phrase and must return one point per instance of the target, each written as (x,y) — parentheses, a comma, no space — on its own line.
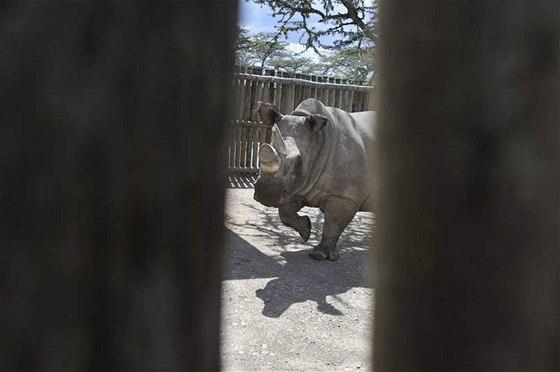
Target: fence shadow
(240,180)
(296,276)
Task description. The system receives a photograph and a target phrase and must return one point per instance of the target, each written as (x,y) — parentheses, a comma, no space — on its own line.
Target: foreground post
(111,183)
(467,261)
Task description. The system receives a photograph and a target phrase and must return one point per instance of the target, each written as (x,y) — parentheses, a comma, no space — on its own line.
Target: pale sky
(256,18)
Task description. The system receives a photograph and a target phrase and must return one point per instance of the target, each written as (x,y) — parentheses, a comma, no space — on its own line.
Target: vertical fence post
(467,260)
(112,171)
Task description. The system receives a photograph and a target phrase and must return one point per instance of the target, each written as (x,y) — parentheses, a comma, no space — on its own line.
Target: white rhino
(318,156)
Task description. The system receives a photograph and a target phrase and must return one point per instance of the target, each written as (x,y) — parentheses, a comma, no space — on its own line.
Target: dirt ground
(283,311)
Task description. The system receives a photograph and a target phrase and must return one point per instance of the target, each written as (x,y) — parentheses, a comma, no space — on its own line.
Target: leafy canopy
(343,33)
(353,22)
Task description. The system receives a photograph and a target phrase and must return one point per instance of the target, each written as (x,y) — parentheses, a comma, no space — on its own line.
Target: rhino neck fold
(316,162)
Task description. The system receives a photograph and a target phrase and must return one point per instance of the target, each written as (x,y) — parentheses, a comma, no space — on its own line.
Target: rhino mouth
(270,203)
(271,193)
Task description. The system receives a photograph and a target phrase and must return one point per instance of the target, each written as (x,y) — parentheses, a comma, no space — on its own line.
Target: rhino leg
(338,214)
(290,218)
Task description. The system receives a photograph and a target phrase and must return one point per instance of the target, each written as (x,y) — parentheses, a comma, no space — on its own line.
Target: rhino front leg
(338,213)
(290,218)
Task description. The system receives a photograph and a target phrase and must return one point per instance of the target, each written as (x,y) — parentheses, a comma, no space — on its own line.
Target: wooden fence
(286,91)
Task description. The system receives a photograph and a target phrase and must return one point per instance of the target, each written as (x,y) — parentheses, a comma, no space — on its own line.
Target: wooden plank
(245,147)
(253,101)
(265,96)
(233,145)
(357,101)
(319,90)
(338,95)
(230,142)
(278,94)
(307,92)
(254,146)
(256,131)
(351,101)
(284,104)
(238,147)
(247,100)
(240,98)
(314,88)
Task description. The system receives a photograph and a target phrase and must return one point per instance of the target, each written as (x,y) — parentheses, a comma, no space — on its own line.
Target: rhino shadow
(301,279)
(297,277)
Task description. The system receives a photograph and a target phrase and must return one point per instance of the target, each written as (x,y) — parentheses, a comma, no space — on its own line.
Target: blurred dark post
(112,121)
(467,260)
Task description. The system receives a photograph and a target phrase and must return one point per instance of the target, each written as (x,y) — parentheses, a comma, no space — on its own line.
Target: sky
(256,18)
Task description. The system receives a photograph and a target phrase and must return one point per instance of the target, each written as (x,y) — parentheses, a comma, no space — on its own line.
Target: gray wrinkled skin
(318,157)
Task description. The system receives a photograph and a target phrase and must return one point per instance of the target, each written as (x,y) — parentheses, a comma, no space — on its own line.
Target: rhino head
(281,171)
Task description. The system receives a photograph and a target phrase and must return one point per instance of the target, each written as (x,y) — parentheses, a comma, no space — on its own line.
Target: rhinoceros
(318,156)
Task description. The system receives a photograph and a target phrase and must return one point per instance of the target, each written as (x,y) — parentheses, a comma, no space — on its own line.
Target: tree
(353,20)
(290,62)
(265,51)
(352,63)
(256,50)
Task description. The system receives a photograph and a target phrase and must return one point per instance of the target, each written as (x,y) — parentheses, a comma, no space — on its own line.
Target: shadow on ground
(238,180)
(278,252)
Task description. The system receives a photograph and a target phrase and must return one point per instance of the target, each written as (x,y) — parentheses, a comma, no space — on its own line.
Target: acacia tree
(352,63)
(353,20)
(290,62)
(265,51)
(256,50)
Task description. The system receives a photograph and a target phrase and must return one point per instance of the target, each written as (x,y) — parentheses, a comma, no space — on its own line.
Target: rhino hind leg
(290,218)
(338,213)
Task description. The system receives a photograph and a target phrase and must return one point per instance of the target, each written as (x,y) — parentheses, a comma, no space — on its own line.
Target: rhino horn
(277,141)
(269,159)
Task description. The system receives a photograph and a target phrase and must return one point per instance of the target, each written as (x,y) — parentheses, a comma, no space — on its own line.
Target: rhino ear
(315,122)
(269,113)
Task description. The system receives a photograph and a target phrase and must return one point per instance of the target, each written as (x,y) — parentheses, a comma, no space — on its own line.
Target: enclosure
(286,91)
(113,152)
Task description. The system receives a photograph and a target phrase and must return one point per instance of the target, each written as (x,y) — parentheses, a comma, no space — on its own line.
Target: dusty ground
(283,311)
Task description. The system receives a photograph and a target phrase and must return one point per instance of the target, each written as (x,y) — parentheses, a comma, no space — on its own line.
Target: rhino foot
(321,253)
(305,231)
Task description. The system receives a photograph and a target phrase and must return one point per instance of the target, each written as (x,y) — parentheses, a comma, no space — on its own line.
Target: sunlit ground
(281,309)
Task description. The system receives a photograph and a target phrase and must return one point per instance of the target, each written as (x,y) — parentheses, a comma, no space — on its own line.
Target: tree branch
(353,14)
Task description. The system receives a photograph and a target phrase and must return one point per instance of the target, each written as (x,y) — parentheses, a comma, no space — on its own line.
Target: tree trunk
(467,257)
(111,183)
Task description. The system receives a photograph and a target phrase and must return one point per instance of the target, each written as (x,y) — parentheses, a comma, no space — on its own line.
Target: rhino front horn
(269,159)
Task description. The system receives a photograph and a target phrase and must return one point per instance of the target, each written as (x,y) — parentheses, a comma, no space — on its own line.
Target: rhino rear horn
(269,113)
(269,159)
(277,141)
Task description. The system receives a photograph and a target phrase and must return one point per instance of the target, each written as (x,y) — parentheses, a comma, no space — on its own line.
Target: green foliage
(258,49)
(350,56)
(352,63)
(353,21)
